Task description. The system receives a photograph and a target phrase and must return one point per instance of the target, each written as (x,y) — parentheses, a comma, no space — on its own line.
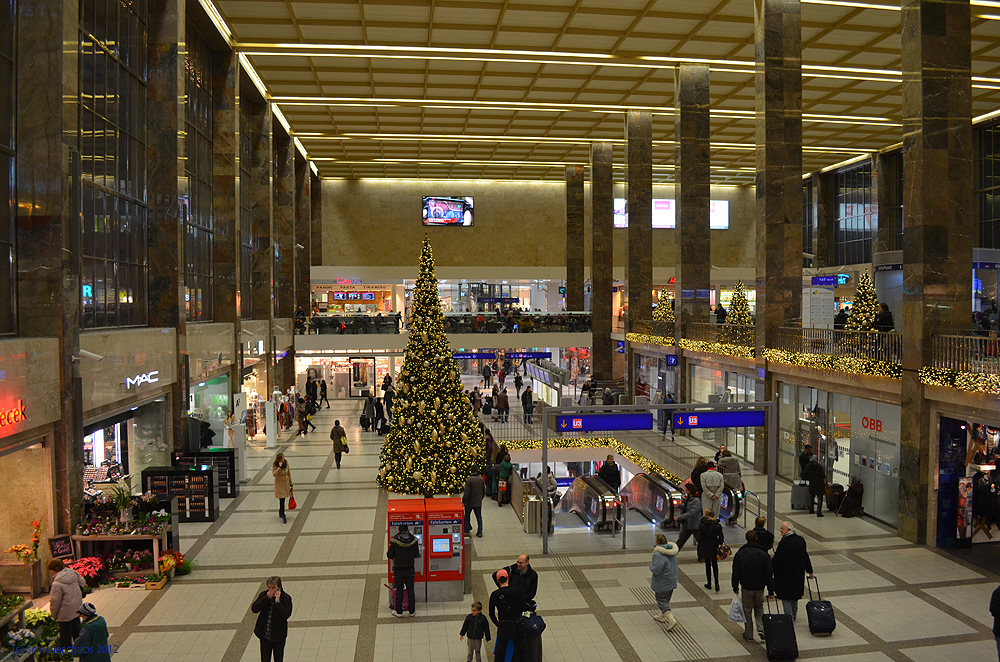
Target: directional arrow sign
(603,422)
(737,418)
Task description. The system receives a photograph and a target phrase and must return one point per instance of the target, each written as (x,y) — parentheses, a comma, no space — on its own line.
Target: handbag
(723,552)
(533,624)
(346,449)
(502,486)
(291,500)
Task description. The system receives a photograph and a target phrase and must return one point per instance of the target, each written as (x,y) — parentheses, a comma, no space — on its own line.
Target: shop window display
(968,487)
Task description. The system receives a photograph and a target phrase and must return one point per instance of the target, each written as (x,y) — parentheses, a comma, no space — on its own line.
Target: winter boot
(662,617)
(671,621)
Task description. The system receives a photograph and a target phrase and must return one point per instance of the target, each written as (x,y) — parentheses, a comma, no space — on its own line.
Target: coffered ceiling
(518,89)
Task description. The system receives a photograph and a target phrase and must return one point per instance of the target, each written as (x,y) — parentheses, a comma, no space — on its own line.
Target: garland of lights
(839,363)
(964,381)
(725,349)
(641,461)
(645,338)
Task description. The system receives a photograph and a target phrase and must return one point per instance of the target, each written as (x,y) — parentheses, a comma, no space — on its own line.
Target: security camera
(88,356)
(300,247)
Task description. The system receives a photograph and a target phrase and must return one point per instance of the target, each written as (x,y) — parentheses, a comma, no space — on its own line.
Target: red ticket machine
(445,550)
(411,513)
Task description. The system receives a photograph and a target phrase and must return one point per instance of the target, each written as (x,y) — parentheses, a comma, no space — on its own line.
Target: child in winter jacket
(475,627)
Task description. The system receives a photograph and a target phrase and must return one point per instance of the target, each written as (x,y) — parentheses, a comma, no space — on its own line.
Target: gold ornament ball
(417,475)
(453,469)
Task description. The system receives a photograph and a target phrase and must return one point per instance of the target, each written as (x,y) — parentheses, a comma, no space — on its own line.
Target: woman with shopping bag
(282,483)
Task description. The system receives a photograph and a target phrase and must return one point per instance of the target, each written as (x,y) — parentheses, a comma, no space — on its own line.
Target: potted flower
(167,563)
(90,568)
(143,559)
(24,553)
(155,582)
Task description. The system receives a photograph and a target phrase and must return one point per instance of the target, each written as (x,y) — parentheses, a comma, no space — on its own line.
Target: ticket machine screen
(441,546)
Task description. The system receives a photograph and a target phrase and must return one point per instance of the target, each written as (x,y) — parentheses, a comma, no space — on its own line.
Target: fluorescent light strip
(220,23)
(849,3)
(516,164)
(254,76)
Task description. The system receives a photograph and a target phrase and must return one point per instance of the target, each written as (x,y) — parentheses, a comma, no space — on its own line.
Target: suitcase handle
(767,601)
(809,586)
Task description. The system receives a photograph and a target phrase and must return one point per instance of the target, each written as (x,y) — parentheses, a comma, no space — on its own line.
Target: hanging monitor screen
(448,211)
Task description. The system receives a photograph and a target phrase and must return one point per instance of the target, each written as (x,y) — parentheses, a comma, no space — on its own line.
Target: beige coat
(66,594)
(282,481)
(339,437)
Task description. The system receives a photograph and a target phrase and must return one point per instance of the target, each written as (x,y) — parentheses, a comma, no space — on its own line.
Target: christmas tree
(664,311)
(865,306)
(435,440)
(738,318)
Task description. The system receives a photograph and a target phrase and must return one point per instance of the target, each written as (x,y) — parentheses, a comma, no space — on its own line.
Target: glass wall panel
(198,220)
(8,100)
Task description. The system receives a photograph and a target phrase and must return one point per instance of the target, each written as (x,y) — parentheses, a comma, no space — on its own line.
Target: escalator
(655,497)
(594,501)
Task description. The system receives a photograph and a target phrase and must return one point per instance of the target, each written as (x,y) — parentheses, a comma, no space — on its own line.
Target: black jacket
(884,322)
(506,605)
(803,461)
(476,627)
(527,583)
(995,610)
(791,563)
(764,538)
(752,569)
(282,611)
(816,476)
(711,536)
(403,549)
(611,474)
(696,478)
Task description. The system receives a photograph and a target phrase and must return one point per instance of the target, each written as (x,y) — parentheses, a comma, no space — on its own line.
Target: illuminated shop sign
(138,380)
(12,416)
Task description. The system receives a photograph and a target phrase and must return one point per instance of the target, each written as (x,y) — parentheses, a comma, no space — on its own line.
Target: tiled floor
(894,601)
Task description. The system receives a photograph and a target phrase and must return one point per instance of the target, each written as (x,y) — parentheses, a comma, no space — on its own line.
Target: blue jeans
(478,510)
(790,607)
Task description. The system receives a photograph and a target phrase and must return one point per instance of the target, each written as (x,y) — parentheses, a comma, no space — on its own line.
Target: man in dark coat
(522,577)
(764,537)
(404,549)
(611,474)
(472,499)
(816,475)
(883,320)
(506,605)
(752,571)
(274,608)
(791,563)
(807,452)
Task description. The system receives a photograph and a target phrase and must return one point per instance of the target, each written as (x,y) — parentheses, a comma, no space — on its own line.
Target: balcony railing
(659,328)
(870,345)
(561,322)
(966,353)
(726,334)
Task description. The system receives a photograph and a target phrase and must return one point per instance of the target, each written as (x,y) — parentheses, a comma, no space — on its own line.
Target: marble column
(47,225)
(825,213)
(882,186)
(937,246)
(284,224)
(575,243)
(693,188)
(778,34)
(303,232)
(639,198)
(164,171)
(316,221)
(261,207)
(602,257)
(225,203)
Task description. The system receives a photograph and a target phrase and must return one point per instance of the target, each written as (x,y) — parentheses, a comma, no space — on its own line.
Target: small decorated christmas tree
(435,440)
(738,327)
(664,311)
(865,306)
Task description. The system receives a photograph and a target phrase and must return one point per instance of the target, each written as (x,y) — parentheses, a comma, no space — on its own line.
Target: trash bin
(532,514)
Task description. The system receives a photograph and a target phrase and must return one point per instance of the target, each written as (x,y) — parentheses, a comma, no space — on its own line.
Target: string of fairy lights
(621,449)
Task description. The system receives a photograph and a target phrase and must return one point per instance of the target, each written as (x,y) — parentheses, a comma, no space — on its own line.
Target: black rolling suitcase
(779,635)
(834,497)
(820,612)
(365,423)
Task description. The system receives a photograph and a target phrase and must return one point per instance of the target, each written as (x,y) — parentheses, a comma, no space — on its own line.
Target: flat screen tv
(448,211)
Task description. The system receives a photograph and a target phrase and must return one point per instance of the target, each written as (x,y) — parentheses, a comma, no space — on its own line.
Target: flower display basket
(156,586)
(21,577)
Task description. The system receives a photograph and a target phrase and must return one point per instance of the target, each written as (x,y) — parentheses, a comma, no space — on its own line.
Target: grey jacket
(66,594)
(664,568)
(712,484)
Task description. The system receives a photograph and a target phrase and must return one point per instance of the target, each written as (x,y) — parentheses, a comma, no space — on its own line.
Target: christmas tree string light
(738,329)
(865,306)
(436,439)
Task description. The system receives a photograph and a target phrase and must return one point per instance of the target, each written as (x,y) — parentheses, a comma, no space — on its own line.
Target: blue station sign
(737,418)
(473,355)
(603,422)
(529,355)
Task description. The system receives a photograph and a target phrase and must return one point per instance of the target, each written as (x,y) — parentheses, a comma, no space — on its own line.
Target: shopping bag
(291,501)
(723,552)
(502,486)
(736,613)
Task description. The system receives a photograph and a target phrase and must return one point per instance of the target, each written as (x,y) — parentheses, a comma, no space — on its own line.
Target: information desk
(196,489)
(224,458)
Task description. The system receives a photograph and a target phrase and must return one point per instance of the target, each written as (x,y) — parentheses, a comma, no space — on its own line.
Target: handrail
(872,345)
(745,506)
(974,354)
(729,334)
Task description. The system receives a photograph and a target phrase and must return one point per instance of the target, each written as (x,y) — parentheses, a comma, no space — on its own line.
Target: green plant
(35,617)
(9,603)
(184,568)
(155,577)
(121,495)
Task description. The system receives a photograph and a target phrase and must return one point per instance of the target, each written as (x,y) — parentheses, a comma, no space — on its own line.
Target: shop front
(711,385)
(353,299)
(347,375)
(968,508)
(209,405)
(853,437)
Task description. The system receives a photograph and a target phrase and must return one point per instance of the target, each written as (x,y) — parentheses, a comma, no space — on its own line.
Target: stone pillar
(937,247)
(164,151)
(574,237)
(316,221)
(825,212)
(778,34)
(882,186)
(602,256)
(693,191)
(284,224)
(47,225)
(261,206)
(639,198)
(303,232)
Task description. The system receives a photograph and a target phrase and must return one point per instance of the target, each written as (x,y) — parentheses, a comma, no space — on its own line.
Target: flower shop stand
(81,543)
(18,613)
(22,578)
